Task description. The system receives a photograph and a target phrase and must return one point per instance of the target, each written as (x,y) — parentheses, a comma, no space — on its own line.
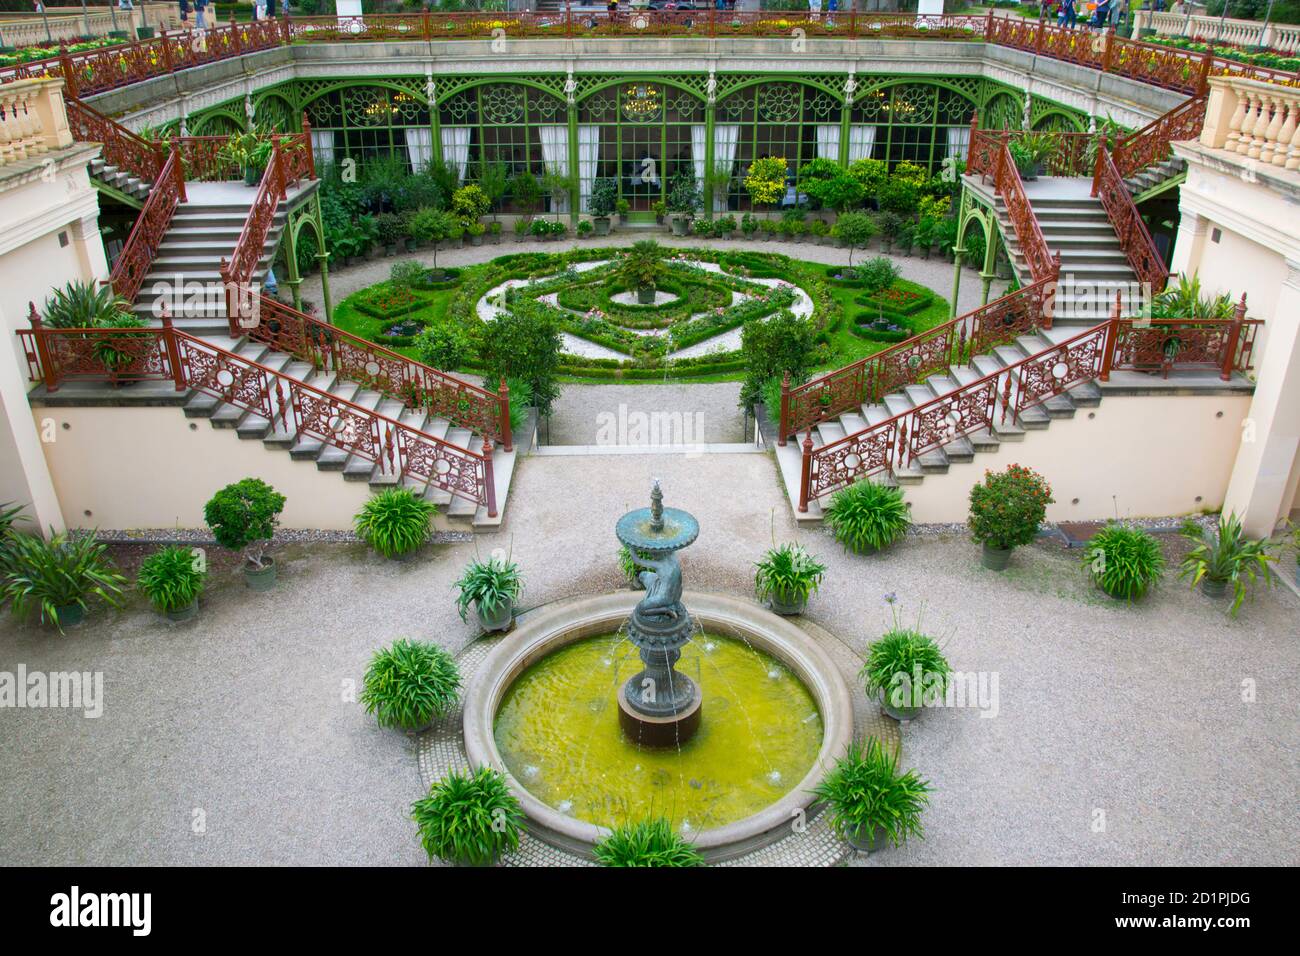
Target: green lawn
(846,345)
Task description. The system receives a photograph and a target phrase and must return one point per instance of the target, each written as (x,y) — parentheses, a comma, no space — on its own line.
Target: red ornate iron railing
(895,443)
(95,71)
(1143,256)
(141,247)
(122,148)
(237,271)
(328,347)
(290,406)
(1042,263)
(914,360)
(1070,156)
(1150,144)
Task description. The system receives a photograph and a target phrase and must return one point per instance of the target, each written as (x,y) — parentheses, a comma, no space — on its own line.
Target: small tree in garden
(765,180)
(243,517)
(870,173)
(855,230)
(1008,507)
(444,345)
(526,191)
(494,180)
(772,347)
(432,226)
(642,265)
(831,185)
(684,196)
(525,343)
(470,203)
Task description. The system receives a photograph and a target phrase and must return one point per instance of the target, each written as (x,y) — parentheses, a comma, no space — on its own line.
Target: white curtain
(725,138)
(828,141)
(419,147)
(699,153)
(958,141)
(555,157)
(862,141)
(322,147)
(588,155)
(455,147)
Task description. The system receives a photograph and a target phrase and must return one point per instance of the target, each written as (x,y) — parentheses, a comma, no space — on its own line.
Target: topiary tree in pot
(683,202)
(243,517)
(1006,511)
(604,196)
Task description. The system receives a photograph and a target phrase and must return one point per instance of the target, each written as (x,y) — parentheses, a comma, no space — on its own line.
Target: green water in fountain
(557,730)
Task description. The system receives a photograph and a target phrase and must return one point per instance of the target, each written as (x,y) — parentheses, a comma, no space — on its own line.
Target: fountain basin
(551,629)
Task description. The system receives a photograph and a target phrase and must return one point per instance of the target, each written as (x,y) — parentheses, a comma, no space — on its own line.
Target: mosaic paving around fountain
(442,750)
(699,309)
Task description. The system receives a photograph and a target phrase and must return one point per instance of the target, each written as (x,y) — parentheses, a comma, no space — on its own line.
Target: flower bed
(899,299)
(387,301)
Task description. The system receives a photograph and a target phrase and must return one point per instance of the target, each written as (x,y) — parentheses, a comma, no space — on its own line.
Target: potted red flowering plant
(1006,510)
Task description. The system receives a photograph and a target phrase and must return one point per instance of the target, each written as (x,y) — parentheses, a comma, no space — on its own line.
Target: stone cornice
(1202,194)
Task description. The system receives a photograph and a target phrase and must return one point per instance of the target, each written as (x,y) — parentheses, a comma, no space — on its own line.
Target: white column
(1264,477)
(24,474)
(1189,244)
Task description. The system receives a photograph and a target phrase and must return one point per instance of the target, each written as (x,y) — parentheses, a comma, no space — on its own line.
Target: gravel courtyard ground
(234,739)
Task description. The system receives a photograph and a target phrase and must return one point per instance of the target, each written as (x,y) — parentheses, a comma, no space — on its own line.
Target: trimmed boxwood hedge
(365,302)
(401,341)
(451,279)
(924,299)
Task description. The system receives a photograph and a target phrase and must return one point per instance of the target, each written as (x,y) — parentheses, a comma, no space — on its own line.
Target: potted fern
(410,684)
(785,578)
(646,843)
(243,517)
(395,522)
(492,586)
(57,579)
(906,670)
(867,517)
(1124,561)
(172,579)
(469,819)
(1222,557)
(1006,511)
(870,802)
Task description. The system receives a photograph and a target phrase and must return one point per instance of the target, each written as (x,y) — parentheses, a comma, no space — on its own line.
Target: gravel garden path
(1122,734)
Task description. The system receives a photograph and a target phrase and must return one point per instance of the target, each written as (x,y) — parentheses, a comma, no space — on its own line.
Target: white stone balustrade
(32,120)
(1246,33)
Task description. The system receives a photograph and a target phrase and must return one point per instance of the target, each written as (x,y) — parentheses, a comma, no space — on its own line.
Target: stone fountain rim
(553,628)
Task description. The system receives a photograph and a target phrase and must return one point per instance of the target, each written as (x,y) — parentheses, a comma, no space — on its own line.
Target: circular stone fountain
(746,736)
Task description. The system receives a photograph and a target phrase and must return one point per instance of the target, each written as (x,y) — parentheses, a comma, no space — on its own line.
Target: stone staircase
(937,462)
(1147,180)
(186,273)
(1093,266)
(130,186)
(328,458)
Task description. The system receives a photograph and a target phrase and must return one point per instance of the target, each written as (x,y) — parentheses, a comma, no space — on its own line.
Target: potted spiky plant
(867,517)
(870,802)
(1222,557)
(410,684)
(640,269)
(396,522)
(492,586)
(646,843)
(1124,561)
(57,579)
(905,669)
(469,819)
(243,517)
(786,576)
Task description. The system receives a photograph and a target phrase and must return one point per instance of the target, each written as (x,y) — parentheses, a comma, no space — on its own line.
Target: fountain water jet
(658,706)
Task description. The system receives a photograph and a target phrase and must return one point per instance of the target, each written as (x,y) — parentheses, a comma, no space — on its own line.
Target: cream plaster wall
(1132,456)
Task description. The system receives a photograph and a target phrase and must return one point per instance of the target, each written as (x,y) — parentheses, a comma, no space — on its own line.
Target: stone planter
(645,295)
(872,842)
(601,225)
(261,579)
(679,225)
(501,620)
(70,615)
(390,250)
(995,559)
(898,713)
(787,605)
(1217,589)
(476,240)
(187,613)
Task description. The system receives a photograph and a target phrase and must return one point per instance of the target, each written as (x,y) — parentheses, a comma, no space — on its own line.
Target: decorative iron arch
(835,90)
(1004,110)
(316,91)
(952,86)
(276,110)
(1059,120)
(623,80)
(217,122)
(446,91)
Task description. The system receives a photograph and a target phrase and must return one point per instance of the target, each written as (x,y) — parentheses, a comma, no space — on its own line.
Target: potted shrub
(702,228)
(768,229)
(523,227)
(903,240)
(622,207)
(923,236)
(559,230)
(1030,151)
(494,232)
(785,578)
(724,226)
(1124,561)
(891,224)
(492,587)
(818,231)
(172,580)
(396,522)
(905,670)
(57,579)
(1222,557)
(243,517)
(660,209)
(604,197)
(410,684)
(640,269)
(475,231)
(1005,512)
(748,225)
(388,230)
(469,819)
(646,843)
(683,201)
(867,517)
(584,229)
(870,802)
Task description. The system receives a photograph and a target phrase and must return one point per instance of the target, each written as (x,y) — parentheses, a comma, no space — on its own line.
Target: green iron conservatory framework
(640,130)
